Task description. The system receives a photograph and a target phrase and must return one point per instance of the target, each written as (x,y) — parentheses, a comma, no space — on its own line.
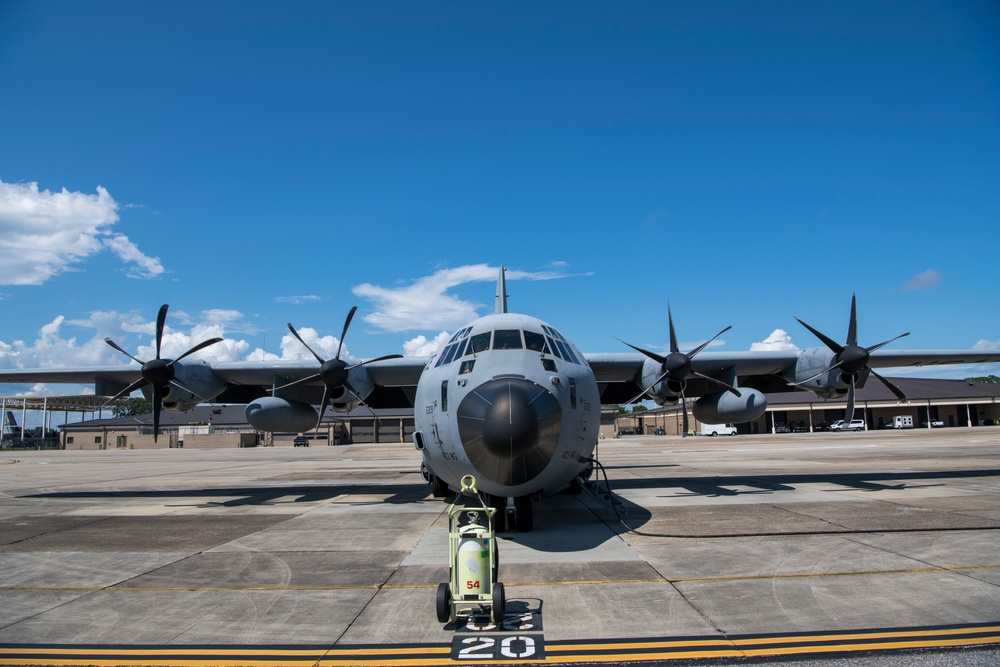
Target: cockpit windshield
(462,344)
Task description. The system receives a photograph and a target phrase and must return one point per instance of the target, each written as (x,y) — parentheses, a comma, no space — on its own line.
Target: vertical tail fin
(501,303)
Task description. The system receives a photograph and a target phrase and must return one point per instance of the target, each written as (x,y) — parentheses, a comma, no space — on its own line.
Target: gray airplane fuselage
(510,401)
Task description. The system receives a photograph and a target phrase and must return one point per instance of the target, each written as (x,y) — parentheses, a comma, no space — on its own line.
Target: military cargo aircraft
(509,399)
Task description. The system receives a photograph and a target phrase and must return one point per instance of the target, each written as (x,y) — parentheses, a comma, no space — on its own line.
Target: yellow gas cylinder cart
(474,561)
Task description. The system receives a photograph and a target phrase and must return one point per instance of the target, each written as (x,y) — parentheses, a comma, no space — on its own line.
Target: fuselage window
(572,393)
(534,341)
(480,343)
(506,339)
(444,396)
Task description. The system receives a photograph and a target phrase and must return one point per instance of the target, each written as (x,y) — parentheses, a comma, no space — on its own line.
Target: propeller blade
(825,370)
(297,336)
(343,333)
(200,346)
(372,361)
(731,389)
(161,318)
(684,408)
(643,392)
(362,402)
(673,334)
(890,386)
(138,384)
(116,346)
(881,345)
(835,347)
(322,407)
(852,327)
(652,355)
(157,404)
(311,378)
(850,402)
(182,387)
(706,343)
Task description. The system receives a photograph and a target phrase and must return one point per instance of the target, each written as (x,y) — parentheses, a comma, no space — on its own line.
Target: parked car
(853,425)
(300,441)
(660,431)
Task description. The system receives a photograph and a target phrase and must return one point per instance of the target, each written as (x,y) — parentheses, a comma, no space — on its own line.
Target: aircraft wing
(900,358)
(244,380)
(621,376)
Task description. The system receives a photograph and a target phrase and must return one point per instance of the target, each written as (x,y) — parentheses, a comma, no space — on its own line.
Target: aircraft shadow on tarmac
(738,485)
(399,494)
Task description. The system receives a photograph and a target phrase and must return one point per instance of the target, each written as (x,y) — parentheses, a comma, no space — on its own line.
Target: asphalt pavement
(742,550)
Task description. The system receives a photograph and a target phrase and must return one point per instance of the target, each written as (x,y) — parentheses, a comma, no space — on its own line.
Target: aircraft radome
(509,399)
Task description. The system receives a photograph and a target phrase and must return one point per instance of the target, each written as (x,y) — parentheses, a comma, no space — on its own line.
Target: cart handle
(469,484)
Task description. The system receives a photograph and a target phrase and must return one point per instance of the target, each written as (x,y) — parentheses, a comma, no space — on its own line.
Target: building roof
(232,416)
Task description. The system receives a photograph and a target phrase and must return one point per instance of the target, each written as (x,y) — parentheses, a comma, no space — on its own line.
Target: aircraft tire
(438,487)
(524,514)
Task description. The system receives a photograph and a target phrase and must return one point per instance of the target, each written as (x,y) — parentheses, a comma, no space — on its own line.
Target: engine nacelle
(197,376)
(724,408)
(278,414)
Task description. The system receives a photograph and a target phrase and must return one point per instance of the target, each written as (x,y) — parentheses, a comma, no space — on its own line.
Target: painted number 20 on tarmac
(498,647)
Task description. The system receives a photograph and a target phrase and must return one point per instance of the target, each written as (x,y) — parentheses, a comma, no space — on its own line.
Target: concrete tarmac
(727,549)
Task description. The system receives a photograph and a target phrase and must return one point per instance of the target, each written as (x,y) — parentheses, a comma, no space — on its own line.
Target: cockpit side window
(506,339)
(534,341)
(554,349)
(480,343)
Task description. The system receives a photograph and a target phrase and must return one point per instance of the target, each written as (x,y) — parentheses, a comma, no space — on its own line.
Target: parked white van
(717,429)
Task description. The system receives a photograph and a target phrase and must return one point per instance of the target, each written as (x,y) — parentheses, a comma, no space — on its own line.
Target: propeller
(676,367)
(333,373)
(158,372)
(851,359)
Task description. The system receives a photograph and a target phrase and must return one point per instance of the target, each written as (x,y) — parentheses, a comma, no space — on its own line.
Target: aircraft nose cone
(510,429)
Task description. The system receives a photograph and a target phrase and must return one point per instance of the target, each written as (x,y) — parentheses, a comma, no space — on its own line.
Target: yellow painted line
(558,653)
(875,646)
(811,575)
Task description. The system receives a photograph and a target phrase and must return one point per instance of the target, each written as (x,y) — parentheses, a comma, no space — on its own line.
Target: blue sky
(253,164)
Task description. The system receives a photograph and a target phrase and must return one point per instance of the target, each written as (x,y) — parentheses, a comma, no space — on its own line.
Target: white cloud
(44,234)
(778,341)
(929,279)
(56,347)
(145,267)
(421,347)
(984,345)
(426,303)
(298,299)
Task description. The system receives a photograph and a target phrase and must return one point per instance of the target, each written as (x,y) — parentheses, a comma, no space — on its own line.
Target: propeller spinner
(158,372)
(676,367)
(851,359)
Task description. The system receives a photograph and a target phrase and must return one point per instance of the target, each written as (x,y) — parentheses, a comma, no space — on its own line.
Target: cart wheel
(496,560)
(444,603)
(499,604)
